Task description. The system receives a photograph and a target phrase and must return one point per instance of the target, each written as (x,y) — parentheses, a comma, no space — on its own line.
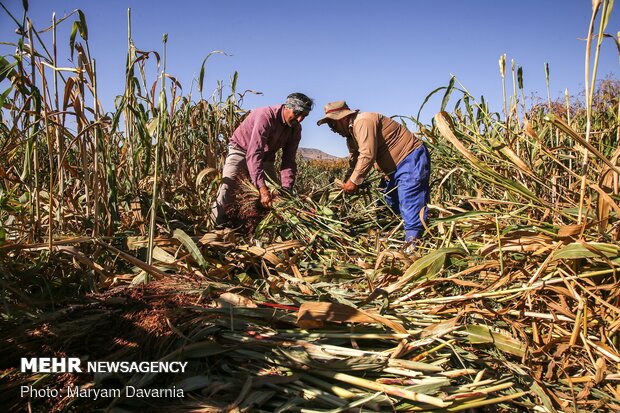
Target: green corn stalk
(547,75)
(97,154)
(60,143)
(50,152)
(502,72)
(128,105)
(590,84)
(161,137)
(514,99)
(32,153)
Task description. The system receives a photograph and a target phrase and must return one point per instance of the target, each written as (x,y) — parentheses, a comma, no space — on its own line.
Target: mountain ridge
(316,154)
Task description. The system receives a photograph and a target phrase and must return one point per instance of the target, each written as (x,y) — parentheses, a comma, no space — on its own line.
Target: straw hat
(335,110)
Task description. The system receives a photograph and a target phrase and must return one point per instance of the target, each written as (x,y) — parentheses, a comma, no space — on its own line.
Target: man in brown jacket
(398,153)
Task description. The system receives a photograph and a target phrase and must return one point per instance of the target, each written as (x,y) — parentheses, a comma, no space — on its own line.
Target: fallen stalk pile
(444,333)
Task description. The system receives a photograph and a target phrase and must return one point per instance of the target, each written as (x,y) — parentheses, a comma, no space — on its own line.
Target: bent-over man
(252,150)
(398,153)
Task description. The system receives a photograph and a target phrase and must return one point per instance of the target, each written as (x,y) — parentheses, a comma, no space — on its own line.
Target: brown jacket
(378,139)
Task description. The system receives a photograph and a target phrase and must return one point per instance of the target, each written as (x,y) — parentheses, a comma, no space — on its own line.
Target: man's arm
(288,168)
(256,150)
(353,153)
(366,138)
(254,157)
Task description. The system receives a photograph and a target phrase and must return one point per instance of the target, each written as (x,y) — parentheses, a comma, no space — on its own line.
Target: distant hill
(315,154)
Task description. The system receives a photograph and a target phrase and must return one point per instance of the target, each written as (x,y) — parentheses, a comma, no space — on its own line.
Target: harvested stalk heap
(509,304)
(246,212)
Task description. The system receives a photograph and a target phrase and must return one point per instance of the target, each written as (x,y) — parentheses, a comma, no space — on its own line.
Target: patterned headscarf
(299,103)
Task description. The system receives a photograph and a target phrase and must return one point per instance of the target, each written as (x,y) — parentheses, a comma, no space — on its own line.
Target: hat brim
(335,116)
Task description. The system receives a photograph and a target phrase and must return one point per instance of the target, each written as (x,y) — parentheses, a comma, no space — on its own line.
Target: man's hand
(349,187)
(265,197)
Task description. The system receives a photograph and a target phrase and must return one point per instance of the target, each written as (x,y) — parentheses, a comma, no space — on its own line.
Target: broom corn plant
(510,304)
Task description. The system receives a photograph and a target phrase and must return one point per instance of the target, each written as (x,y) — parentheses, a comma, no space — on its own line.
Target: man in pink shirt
(252,150)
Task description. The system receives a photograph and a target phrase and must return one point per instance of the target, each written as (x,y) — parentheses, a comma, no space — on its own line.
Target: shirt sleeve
(353,153)
(365,133)
(288,168)
(256,151)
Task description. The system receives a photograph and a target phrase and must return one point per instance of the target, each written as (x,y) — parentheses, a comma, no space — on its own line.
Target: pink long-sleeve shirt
(261,135)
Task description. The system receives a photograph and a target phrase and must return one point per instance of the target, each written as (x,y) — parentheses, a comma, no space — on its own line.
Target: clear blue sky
(382,56)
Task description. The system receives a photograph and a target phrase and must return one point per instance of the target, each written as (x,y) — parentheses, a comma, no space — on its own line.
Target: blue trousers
(407,191)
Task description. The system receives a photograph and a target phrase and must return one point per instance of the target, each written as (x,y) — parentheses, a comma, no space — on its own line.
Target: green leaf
(191,247)
(478,334)
(140,279)
(233,82)
(323,210)
(432,262)
(578,250)
(446,96)
(607,15)
(6,69)
(564,127)
(82,25)
(428,266)
(74,30)
(163,256)
(4,95)
(546,400)
(427,99)
(201,76)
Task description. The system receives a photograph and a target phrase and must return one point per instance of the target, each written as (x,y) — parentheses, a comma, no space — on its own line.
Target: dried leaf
(202,174)
(313,314)
(163,256)
(567,231)
(440,329)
